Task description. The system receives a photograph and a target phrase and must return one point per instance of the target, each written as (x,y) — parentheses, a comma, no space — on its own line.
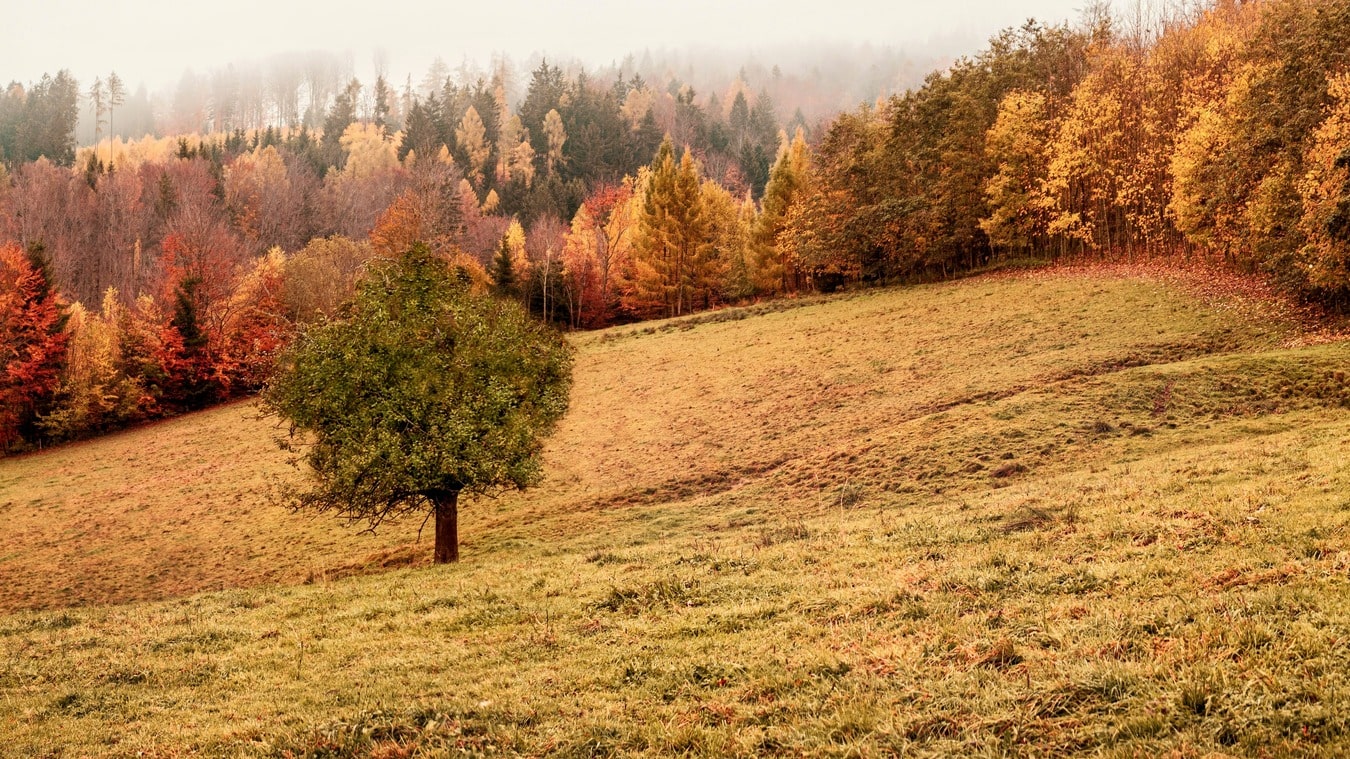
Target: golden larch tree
(472,137)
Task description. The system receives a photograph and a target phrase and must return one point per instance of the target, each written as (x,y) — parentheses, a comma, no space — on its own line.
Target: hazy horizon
(91,40)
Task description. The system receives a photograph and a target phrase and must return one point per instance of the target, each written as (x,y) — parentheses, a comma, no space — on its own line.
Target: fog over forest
(838,54)
(91,39)
(820,80)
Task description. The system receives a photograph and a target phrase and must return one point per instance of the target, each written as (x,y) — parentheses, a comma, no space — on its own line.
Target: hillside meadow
(1045,513)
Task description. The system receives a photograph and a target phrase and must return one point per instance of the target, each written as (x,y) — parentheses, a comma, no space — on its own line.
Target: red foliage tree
(184,355)
(32,342)
(256,326)
(198,278)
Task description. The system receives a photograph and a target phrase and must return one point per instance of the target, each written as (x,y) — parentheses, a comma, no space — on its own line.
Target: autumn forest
(151,274)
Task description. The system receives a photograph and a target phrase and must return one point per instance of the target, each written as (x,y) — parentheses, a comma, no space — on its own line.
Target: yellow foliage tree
(1193,171)
(730,231)
(369,150)
(673,250)
(515,155)
(776,267)
(636,103)
(491,202)
(1018,208)
(1325,191)
(1085,175)
(322,276)
(515,243)
(95,394)
(472,137)
(257,192)
(557,136)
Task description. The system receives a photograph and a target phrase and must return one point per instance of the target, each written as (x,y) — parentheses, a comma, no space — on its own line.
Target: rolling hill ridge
(1041,513)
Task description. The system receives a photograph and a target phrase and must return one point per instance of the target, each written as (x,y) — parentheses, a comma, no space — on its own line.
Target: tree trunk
(447,525)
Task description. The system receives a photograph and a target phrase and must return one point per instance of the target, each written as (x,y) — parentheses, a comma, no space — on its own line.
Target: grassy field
(1028,515)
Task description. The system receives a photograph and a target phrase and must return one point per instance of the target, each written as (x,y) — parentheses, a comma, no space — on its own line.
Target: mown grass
(1025,516)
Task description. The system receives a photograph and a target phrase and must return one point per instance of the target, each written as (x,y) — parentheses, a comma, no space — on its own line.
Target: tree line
(1220,132)
(164,275)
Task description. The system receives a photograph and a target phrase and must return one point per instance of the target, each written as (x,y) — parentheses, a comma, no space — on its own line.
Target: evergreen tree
(340,116)
(184,356)
(503,271)
(45,127)
(545,93)
(422,136)
(755,167)
(762,126)
(739,120)
(777,270)
(382,98)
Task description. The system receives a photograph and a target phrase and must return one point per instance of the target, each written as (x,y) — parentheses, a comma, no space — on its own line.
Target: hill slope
(1025,515)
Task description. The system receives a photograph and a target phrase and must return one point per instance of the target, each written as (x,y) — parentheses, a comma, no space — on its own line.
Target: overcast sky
(154,41)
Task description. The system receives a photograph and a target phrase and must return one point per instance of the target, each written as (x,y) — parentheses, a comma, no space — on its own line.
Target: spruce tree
(503,273)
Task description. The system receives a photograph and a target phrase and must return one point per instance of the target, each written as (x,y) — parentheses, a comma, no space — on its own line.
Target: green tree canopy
(423,391)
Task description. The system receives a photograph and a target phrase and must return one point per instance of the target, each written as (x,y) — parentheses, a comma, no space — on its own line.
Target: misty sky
(154,41)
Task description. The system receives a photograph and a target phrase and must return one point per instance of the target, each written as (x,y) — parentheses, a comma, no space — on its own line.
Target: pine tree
(503,271)
(382,96)
(422,138)
(184,354)
(340,116)
(739,120)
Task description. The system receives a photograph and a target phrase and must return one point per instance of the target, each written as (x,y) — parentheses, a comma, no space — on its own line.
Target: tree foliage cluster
(67,371)
(206,307)
(423,391)
(170,254)
(291,90)
(571,135)
(39,120)
(537,152)
(241,192)
(1219,132)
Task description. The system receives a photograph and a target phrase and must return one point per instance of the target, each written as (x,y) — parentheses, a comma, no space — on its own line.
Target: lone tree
(420,392)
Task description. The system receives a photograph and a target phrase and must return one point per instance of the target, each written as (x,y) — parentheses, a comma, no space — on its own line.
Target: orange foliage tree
(429,212)
(598,247)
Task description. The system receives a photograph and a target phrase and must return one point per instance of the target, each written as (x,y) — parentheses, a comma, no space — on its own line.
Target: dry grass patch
(169,509)
(788,535)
